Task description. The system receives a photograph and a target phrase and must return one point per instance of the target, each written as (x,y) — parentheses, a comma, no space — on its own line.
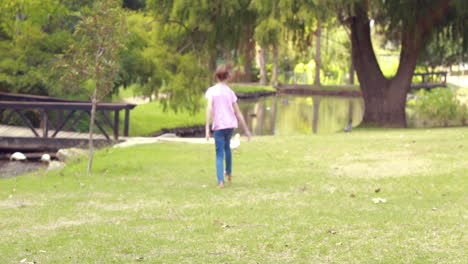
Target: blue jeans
(223,150)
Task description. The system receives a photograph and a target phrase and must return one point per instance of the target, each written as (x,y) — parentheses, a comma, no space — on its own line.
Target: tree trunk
(91,130)
(384,99)
(351,72)
(274,74)
(248,47)
(212,62)
(350,113)
(247,63)
(318,58)
(263,69)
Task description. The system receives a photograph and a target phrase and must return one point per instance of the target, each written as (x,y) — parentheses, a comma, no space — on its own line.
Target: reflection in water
(289,115)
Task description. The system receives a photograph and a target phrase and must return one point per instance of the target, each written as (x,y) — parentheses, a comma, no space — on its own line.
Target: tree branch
(192,42)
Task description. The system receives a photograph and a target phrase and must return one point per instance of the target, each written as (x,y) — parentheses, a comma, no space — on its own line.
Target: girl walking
(222,108)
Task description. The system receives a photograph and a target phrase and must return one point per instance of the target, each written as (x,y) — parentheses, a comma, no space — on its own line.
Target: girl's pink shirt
(222,98)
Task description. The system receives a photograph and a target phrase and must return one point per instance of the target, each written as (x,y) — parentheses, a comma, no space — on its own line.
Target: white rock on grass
(18,156)
(70,153)
(56,165)
(45,158)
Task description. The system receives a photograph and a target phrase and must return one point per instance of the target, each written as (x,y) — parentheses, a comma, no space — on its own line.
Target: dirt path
(133,141)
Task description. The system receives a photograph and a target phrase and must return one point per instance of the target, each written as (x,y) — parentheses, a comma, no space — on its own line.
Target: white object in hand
(18,156)
(235,142)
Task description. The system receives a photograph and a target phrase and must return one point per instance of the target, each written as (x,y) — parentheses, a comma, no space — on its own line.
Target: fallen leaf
(377,190)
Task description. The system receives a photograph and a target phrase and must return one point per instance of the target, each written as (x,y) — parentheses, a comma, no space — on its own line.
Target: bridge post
(127,121)
(45,124)
(116,124)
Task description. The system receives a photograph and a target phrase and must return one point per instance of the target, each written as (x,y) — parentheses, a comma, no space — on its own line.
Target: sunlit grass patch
(380,165)
(147,119)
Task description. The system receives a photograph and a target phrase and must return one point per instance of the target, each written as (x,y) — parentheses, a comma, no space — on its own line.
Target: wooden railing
(429,80)
(69,113)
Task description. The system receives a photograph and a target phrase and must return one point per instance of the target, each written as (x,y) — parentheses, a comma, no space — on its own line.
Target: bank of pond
(285,115)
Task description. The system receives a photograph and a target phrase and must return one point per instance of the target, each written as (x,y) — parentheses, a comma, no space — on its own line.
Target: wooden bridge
(429,80)
(51,122)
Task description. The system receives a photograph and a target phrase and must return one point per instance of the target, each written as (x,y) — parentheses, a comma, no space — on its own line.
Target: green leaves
(31,32)
(268,32)
(94,58)
(441,106)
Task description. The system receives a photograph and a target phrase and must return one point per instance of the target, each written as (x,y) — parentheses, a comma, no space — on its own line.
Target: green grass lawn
(146,119)
(301,199)
(245,88)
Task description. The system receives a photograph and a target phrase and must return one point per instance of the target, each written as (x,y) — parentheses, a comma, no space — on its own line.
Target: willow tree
(414,23)
(301,21)
(268,35)
(209,29)
(94,56)
(195,35)
(31,34)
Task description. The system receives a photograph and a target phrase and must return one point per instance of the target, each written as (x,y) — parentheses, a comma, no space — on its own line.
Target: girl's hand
(207,133)
(249,136)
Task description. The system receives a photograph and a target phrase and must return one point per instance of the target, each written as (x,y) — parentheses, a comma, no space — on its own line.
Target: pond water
(16,168)
(291,114)
(294,114)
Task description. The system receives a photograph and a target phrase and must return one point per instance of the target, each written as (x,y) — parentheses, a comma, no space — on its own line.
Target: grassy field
(302,199)
(246,88)
(146,119)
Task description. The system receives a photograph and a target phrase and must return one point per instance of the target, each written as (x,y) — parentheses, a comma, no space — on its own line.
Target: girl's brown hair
(222,73)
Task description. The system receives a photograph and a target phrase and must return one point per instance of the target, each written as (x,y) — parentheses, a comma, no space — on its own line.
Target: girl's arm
(241,119)
(208,119)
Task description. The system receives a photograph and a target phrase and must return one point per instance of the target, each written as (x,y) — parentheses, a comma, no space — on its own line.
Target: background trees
(31,33)
(173,45)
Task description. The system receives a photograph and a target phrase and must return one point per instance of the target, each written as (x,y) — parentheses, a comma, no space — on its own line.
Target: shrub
(441,106)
